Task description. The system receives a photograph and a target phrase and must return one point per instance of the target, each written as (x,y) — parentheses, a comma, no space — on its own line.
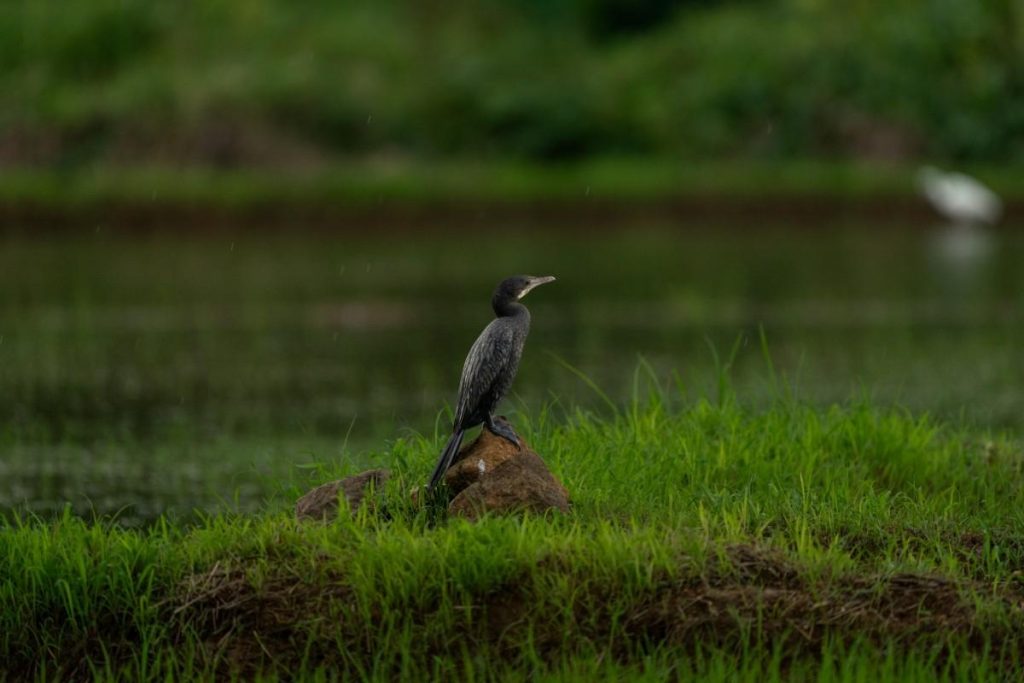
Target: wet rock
(321,503)
(493,476)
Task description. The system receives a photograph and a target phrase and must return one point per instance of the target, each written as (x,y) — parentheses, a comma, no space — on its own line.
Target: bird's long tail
(450,449)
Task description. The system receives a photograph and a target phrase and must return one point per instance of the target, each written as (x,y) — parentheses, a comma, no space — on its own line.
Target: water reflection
(147,375)
(962,258)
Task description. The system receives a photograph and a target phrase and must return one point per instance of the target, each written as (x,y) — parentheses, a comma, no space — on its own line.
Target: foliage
(268,82)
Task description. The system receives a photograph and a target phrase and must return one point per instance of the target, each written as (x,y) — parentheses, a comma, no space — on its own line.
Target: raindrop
(587,191)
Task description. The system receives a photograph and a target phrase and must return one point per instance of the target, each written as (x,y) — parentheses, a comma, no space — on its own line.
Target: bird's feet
(500,427)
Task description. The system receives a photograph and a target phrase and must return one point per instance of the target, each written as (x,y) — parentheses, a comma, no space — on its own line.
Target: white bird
(959,197)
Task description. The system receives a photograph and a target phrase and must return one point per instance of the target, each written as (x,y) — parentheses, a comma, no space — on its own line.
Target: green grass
(707,540)
(447,184)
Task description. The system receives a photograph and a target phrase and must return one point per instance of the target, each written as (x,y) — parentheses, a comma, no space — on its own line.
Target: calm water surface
(143,375)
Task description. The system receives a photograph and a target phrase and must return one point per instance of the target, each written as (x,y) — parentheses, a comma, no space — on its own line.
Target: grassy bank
(404,195)
(624,180)
(848,543)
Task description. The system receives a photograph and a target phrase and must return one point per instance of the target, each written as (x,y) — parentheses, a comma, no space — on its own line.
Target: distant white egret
(960,198)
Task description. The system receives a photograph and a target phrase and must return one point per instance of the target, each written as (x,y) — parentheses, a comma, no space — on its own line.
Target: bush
(578,78)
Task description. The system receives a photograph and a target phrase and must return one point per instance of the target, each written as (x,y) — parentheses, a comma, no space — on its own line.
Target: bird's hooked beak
(532,282)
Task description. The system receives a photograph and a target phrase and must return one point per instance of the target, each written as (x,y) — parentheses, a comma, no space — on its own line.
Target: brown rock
(522,483)
(492,475)
(322,502)
(479,458)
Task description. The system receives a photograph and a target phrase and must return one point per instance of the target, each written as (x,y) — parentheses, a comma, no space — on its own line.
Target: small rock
(321,503)
(485,454)
(492,475)
(520,484)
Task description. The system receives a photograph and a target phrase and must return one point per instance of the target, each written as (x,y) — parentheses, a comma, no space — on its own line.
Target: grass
(707,541)
(449,183)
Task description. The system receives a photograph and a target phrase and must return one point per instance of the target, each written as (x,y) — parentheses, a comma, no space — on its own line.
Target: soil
(751,594)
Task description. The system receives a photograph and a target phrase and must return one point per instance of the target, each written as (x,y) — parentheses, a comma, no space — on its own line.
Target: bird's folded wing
(487,359)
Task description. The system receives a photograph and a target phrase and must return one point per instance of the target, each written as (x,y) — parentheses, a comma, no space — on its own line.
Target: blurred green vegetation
(234,83)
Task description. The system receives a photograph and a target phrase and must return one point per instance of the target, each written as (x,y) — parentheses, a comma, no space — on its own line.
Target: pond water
(167,373)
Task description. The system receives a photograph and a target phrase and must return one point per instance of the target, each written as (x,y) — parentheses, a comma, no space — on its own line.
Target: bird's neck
(508,308)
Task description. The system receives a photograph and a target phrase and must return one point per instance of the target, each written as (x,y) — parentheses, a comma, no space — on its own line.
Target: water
(165,373)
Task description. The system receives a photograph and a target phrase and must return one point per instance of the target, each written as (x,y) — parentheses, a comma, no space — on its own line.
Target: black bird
(490,368)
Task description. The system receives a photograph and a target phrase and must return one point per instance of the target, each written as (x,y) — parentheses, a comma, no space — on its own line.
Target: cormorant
(490,367)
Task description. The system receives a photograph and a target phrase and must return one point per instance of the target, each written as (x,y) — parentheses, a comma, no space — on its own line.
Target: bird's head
(516,287)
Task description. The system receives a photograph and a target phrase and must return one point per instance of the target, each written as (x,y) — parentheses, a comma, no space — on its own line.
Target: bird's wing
(488,357)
